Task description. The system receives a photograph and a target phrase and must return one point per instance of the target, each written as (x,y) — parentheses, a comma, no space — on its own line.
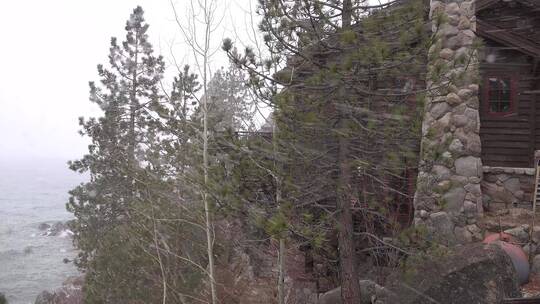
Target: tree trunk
(209,230)
(281,253)
(208,216)
(350,288)
(347,14)
(281,270)
(132,112)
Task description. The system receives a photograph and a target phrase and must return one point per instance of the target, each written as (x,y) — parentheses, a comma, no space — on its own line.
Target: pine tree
(340,114)
(105,207)
(230,103)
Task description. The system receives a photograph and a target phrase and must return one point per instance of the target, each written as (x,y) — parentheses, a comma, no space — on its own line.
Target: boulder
(69,293)
(44,226)
(475,273)
(370,292)
(55,229)
(520,233)
(441,227)
(535,267)
(45,297)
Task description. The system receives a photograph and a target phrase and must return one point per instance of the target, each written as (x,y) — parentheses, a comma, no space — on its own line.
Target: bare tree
(202,15)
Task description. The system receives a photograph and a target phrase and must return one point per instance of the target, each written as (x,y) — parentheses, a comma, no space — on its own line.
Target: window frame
(513,93)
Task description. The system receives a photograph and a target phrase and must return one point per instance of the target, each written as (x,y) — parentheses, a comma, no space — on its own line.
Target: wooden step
(535,300)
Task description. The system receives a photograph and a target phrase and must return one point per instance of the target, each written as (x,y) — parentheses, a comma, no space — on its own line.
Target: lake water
(33,192)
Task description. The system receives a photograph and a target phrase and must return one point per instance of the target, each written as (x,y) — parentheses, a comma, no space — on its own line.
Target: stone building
(484,124)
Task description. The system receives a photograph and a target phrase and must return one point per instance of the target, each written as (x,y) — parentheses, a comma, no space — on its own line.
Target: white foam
(65,233)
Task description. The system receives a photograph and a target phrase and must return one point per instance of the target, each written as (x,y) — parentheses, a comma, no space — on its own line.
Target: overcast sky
(49,52)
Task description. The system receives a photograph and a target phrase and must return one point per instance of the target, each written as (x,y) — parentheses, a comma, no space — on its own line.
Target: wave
(15,253)
(9,253)
(66,233)
(6,231)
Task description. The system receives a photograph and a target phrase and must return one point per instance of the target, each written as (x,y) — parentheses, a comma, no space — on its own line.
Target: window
(499,95)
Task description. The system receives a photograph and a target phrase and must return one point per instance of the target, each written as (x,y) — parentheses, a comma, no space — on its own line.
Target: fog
(49,52)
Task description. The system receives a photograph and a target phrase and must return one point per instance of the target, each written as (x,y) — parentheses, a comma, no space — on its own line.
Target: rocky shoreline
(55,229)
(69,293)
(71,290)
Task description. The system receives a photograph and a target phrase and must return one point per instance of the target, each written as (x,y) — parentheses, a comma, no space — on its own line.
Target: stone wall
(448,199)
(505,188)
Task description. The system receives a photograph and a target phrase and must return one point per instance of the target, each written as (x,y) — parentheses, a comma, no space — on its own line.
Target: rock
(448,30)
(463,236)
(464,93)
(468,166)
(529,249)
(446,157)
(474,87)
(476,232)
(465,38)
(441,125)
(467,8)
(456,146)
(474,273)
(44,226)
(56,229)
(45,297)
(519,194)
(441,227)
(443,186)
(469,207)
(439,109)
(459,120)
(520,233)
(453,99)
(496,193)
(474,144)
(464,23)
(370,292)
(474,189)
(452,8)
(446,54)
(69,293)
(454,198)
(512,184)
(536,234)
(441,172)
(535,267)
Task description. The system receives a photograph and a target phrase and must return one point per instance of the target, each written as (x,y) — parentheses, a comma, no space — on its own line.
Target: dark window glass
(499,94)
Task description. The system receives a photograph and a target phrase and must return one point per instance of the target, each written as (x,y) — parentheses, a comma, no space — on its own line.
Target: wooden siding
(516,18)
(510,140)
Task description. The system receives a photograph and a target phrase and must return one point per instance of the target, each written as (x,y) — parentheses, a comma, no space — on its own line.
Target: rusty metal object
(516,254)
(505,237)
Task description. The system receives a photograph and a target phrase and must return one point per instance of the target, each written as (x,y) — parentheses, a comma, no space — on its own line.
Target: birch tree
(203,15)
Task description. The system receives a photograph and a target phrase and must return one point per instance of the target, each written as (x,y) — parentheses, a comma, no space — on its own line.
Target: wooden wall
(516,17)
(510,140)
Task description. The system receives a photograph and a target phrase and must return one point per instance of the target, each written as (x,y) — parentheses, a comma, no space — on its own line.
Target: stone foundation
(505,188)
